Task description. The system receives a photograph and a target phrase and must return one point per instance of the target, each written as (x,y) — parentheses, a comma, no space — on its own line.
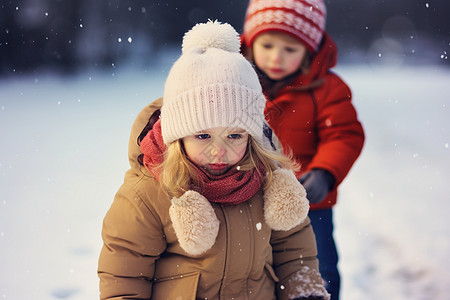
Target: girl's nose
(217,149)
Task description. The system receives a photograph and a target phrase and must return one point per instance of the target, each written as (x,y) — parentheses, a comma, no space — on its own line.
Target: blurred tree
(420,27)
(70,34)
(38,33)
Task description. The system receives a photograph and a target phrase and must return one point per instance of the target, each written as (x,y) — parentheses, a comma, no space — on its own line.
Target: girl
(309,106)
(213,212)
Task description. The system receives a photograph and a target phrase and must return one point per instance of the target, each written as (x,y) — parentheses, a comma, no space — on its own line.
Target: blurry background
(71,35)
(74,75)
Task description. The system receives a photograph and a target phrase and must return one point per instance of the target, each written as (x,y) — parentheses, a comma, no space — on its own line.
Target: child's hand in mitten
(317,182)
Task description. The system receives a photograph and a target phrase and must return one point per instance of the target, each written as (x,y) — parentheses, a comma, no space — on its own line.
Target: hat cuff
(215,105)
(310,44)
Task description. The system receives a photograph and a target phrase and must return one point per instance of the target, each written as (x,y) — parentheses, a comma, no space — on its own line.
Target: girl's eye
(202,136)
(267,46)
(235,136)
(290,50)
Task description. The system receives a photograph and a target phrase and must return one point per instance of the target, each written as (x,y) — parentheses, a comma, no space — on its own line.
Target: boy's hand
(317,183)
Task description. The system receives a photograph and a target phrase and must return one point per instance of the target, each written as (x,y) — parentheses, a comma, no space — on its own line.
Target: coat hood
(322,61)
(134,150)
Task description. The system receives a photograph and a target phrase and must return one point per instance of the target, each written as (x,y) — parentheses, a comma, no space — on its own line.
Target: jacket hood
(134,150)
(322,61)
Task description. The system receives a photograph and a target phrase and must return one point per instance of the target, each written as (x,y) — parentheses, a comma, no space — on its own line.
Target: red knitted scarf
(231,188)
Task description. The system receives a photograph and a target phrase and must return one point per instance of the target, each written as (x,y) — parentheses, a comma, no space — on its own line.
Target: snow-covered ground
(63,155)
(393,225)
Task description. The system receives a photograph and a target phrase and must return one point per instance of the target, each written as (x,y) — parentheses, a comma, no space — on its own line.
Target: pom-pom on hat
(303,19)
(211,85)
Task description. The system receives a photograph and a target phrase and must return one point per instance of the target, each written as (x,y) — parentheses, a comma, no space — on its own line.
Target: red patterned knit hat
(304,19)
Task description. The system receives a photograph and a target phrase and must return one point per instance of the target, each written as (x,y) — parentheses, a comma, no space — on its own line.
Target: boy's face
(278,54)
(216,150)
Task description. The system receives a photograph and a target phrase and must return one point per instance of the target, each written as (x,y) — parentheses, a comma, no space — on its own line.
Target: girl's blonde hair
(178,172)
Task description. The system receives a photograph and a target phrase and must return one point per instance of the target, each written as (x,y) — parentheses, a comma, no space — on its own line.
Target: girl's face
(216,150)
(278,54)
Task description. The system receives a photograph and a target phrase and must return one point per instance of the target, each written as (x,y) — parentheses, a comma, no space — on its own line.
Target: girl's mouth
(217,167)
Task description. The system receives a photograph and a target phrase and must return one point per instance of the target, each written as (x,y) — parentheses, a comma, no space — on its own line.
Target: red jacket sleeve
(340,135)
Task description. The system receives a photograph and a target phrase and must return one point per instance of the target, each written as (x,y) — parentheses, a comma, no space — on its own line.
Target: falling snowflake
(258,226)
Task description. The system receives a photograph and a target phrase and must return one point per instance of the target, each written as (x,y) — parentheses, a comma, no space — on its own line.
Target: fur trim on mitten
(306,283)
(285,203)
(195,222)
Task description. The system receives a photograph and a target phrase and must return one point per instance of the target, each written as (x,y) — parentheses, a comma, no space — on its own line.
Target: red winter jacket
(314,117)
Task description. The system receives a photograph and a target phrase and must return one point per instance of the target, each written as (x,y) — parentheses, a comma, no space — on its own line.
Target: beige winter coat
(142,258)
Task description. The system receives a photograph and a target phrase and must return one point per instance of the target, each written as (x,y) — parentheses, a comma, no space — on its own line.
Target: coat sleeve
(295,263)
(340,135)
(132,242)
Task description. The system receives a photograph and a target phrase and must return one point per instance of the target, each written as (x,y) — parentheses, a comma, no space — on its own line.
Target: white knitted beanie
(211,85)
